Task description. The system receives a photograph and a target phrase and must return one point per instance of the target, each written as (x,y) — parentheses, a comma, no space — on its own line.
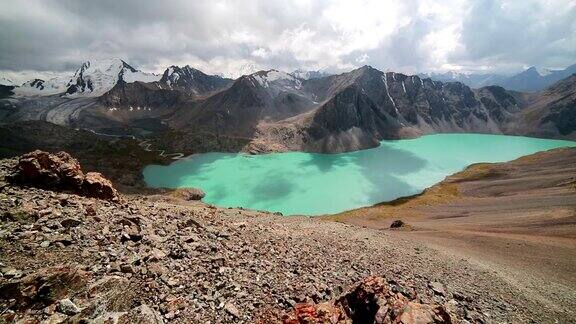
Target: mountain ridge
(271,110)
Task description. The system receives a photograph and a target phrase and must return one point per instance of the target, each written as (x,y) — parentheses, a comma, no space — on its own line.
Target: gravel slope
(190,262)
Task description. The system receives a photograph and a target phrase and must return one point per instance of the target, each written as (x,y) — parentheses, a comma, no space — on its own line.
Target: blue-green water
(315,184)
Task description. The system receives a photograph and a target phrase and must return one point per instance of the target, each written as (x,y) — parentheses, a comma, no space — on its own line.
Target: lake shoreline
(410,167)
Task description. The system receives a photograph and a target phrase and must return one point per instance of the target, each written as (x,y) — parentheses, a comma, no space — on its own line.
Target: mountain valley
(274,111)
(421,256)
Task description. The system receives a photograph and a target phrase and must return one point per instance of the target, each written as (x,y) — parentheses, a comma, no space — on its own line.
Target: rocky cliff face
(251,99)
(364,106)
(145,96)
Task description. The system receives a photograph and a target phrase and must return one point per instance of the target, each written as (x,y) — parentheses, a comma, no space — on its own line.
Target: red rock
(45,169)
(61,171)
(95,185)
(370,301)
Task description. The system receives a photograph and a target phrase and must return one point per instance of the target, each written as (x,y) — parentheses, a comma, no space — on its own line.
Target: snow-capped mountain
(309,75)
(267,77)
(245,69)
(6,81)
(191,80)
(96,77)
(39,87)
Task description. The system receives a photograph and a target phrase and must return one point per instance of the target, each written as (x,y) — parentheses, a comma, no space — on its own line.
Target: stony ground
(165,259)
(517,219)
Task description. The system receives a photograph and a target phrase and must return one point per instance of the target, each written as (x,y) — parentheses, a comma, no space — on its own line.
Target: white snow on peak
(97,77)
(244,69)
(274,75)
(264,78)
(172,76)
(175,73)
(141,76)
(38,87)
(6,81)
(93,78)
(385,79)
(307,75)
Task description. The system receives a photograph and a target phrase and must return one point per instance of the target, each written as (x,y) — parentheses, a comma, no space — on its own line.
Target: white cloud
(232,37)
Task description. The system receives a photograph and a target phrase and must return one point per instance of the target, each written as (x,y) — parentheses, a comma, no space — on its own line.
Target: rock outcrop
(370,301)
(189,193)
(62,172)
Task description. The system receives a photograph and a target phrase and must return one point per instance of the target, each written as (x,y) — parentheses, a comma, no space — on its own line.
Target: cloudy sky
(232,37)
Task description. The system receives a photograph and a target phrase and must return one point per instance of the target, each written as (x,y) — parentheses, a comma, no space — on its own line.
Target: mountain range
(186,110)
(530,80)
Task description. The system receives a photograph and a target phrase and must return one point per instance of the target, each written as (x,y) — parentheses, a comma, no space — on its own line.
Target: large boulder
(370,301)
(61,171)
(46,170)
(95,185)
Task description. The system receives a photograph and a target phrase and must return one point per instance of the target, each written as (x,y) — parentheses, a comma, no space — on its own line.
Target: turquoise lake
(316,184)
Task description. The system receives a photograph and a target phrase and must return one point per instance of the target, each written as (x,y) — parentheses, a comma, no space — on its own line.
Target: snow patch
(385,79)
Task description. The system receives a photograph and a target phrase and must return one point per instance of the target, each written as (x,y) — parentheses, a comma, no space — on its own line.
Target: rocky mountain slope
(534,79)
(67,257)
(275,111)
(6,91)
(364,106)
(236,111)
(549,113)
(121,159)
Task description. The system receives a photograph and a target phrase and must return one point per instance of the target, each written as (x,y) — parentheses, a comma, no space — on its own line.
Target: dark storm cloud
(228,36)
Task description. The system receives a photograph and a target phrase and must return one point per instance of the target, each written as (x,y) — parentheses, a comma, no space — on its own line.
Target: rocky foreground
(153,259)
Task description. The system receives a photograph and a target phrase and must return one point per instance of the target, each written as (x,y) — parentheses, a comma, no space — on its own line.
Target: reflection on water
(314,184)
